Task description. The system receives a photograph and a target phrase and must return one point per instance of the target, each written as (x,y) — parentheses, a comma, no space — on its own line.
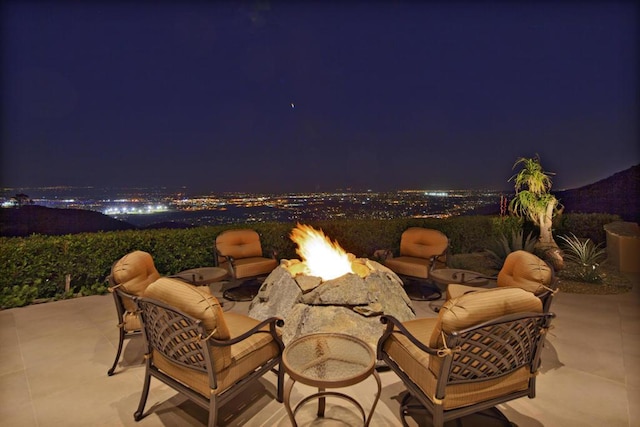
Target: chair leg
(115,362)
(213,410)
(143,398)
(410,407)
(279,398)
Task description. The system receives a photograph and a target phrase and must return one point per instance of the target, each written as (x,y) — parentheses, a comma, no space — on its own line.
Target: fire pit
(330,290)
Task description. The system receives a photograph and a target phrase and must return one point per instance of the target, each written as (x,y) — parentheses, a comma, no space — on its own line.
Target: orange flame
(324,258)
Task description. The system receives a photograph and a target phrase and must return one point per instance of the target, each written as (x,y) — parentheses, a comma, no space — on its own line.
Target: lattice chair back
(493,349)
(175,335)
(193,349)
(482,350)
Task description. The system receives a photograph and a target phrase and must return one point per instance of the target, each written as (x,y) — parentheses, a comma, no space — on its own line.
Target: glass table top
(328,360)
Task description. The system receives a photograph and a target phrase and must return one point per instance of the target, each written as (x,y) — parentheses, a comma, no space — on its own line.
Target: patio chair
(209,357)
(483,349)
(130,276)
(421,251)
(240,252)
(523,270)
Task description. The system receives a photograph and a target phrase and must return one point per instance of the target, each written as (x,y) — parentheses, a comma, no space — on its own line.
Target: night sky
(316,96)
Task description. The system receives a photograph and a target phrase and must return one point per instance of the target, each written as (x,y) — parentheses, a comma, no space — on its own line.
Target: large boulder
(351,304)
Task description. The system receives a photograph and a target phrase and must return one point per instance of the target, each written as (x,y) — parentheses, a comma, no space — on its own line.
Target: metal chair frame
(179,338)
(486,351)
(124,334)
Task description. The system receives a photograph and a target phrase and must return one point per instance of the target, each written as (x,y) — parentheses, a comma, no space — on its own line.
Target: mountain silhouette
(33,219)
(618,194)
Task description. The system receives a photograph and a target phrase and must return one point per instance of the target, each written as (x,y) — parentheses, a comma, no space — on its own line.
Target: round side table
(445,276)
(202,276)
(328,360)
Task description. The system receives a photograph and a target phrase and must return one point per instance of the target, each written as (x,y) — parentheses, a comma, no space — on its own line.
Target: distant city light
(138,206)
(133,210)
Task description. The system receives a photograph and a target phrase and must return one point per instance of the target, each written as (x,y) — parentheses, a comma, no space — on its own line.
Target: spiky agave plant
(586,255)
(502,246)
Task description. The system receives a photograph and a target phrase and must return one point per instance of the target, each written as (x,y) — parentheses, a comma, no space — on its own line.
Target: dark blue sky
(303,96)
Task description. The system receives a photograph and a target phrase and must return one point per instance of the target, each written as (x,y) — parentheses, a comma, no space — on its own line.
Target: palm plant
(533,200)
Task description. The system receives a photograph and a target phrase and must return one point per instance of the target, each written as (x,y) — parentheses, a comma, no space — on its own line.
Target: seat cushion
(253,266)
(524,270)
(409,266)
(477,307)
(420,242)
(415,363)
(131,322)
(134,272)
(196,301)
(238,244)
(474,308)
(455,290)
(245,357)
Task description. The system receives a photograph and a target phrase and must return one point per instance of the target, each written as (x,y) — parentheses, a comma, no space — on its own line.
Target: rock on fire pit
(351,304)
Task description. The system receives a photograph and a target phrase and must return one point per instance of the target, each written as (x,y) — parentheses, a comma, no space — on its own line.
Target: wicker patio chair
(208,356)
(421,251)
(129,277)
(523,270)
(482,350)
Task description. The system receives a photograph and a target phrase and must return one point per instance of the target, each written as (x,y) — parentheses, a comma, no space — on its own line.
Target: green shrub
(590,226)
(37,266)
(17,296)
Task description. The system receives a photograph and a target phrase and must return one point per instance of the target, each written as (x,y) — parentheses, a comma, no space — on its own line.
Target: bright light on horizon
(131,210)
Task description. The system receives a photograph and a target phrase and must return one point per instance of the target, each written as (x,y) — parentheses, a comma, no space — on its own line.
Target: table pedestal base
(322,395)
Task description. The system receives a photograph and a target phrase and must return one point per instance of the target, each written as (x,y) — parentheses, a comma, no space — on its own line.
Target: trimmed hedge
(41,266)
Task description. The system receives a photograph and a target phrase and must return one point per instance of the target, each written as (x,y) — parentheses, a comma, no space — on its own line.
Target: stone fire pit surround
(351,304)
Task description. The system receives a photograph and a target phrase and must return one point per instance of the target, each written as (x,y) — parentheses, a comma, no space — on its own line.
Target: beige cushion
(457,314)
(524,270)
(409,266)
(238,244)
(131,322)
(422,242)
(417,246)
(455,290)
(244,357)
(254,266)
(196,301)
(134,272)
(476,307)
(130,319)
(414,363)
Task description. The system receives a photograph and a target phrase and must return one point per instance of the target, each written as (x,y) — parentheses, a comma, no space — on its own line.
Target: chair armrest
(435,258)
(230,262)
(394,326)
(272,322)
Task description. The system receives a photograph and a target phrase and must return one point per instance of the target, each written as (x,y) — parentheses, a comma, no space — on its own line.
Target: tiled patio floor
(54,358)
